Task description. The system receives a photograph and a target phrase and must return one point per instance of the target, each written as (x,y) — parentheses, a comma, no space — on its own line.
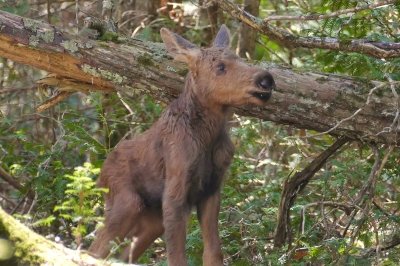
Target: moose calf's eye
(221,69)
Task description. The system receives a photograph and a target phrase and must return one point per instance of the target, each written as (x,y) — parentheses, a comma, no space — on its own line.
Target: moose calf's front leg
(175,215)
(207,211)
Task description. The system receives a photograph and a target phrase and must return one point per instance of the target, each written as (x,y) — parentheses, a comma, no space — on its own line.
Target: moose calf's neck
(197,115)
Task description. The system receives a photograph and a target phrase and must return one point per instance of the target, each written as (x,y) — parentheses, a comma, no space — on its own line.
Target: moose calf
(156,178)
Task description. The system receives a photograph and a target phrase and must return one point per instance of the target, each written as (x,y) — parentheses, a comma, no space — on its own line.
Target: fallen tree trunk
(21,246)
(359,109)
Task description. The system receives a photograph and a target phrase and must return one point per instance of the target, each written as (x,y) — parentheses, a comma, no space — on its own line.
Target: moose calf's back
(156,178)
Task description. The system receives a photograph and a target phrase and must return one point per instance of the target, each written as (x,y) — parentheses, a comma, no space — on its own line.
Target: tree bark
(356,108)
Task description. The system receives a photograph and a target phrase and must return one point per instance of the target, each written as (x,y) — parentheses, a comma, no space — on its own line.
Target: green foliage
(82,200)
(19,7)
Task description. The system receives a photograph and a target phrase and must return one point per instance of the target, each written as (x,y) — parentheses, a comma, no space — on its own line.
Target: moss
(326,106)
(309,102)
(7,251)
(171,69)
(47,35)
(85,45)
(33,40)
(70,45)
(30,24)
(25,244)
(296,108)
(113,77)
(109,36)
(139,89)
(88,45)
(145,59)
(103,44)
(157,49)
(90,70)
(322,80)
(183,71)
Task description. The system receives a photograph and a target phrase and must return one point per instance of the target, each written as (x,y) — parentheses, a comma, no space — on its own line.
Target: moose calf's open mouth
(264,96)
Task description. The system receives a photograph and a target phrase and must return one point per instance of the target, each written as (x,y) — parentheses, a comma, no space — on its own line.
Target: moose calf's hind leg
(119,219)
(147,227)
(102,244)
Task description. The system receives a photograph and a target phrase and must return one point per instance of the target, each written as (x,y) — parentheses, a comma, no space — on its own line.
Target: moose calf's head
(219,76)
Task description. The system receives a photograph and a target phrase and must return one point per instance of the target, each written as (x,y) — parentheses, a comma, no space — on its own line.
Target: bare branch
(59,97)
(294,185)
(370,183)
(333,14)
(395,241)
(285,38)
(347,208)
(10,180)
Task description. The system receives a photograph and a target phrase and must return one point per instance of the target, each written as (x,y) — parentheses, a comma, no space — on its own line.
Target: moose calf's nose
(265,81)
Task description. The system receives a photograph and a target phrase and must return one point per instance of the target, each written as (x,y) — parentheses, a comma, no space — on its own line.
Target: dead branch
(293,186)
(394,242)
(332,14)
(347,208)
(375,49)
(59,97)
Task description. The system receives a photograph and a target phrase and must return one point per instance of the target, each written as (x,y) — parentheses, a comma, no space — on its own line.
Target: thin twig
(351,116)
(48,11)
(396,120)
(125,104)
(369,186)
(381,209)
(343,206)
(378,243)
(8,200)
(346,208)
(370,183)
(20,202)
(77,15)
(10,180)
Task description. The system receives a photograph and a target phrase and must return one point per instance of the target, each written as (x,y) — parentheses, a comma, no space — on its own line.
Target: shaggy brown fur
(155,179)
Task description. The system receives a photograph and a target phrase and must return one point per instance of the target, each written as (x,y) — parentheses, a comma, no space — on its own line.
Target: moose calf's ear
(223,37)
(177,46)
